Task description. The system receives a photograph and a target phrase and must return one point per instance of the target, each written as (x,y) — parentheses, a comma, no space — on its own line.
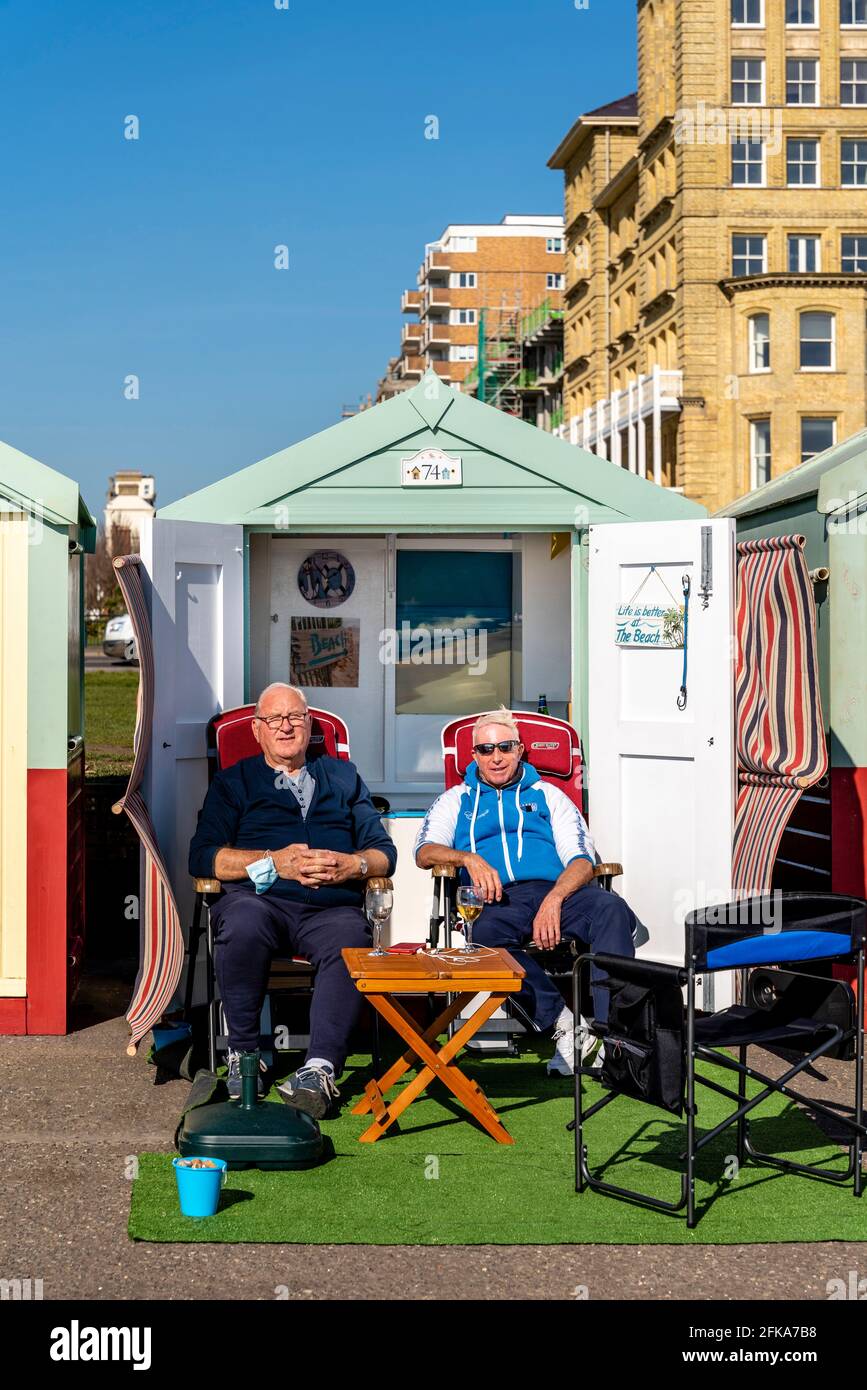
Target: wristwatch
(363,866)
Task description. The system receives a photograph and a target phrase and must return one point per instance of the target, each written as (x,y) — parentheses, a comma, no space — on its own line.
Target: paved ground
(73,1110)
(96,660)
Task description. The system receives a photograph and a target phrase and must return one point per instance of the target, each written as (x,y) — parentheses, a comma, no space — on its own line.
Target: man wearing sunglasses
(292,843)
(528,850)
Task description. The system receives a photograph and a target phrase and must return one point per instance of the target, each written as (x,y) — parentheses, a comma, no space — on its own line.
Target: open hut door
(661,777)
(197,620)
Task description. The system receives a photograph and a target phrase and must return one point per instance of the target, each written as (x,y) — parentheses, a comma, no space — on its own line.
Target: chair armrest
(381,883)
(444,871)
(207,885)
(612,870)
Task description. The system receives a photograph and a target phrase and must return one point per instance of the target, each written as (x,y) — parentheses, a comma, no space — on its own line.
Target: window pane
(854,254)
(748,255)
(801,81)
(853,11)
(747,162)
(760,432)
(816,340)
(853,162)
(760,343)
(800,11)
(802,163)
(816,436)
(456,648)
(853,82)
(746,12)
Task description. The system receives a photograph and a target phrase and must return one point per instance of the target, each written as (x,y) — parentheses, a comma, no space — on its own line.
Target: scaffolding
(520,354)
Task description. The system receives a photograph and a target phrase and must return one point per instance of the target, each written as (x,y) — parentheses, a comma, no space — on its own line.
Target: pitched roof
(623,106)
(33,486)
(349,475)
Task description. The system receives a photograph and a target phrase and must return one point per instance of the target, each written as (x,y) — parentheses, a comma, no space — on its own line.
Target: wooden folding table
(382,978)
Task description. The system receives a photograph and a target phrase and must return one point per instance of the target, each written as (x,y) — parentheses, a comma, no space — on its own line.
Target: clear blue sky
(258,126)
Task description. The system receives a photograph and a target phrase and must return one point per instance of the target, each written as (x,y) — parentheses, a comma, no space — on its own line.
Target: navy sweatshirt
(248,808)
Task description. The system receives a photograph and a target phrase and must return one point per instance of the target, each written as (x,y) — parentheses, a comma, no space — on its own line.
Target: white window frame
(802,238)
(803,163)
(469,276)
(748,81)
(799,24)
(832,419)
(859,162)
(748,23)
(463,352)
(754,453)
(817,81)
(832,367)
(554,245)
(752,356)
(748,164)
(554,280)
(853,23)
(858,254)
(457,322)
(750,236)
(462,245)
(855,82)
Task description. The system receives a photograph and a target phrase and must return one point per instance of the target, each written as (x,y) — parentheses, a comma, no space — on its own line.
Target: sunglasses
(506,746)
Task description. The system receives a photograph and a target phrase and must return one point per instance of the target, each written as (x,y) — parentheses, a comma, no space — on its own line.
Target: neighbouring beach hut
(825,500)
(45,528)
(334,563)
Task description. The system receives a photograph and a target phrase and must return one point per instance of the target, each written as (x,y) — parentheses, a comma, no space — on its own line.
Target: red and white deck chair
(230,738)
(554,749)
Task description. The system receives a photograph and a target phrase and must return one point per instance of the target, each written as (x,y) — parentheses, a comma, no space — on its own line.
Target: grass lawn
(109,721)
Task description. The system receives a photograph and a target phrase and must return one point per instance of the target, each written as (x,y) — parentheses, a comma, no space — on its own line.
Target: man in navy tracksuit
(292,843)
(527,848)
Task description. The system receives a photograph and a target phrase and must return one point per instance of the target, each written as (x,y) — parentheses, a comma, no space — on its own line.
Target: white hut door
(661,779)
(197,616)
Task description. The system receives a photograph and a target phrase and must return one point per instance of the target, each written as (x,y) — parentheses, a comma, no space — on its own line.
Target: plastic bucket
(199,1188)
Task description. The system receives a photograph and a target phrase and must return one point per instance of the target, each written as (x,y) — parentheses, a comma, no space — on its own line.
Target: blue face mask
(263,873)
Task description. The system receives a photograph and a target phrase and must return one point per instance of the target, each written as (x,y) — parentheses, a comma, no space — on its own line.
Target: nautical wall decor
(324,652)
(326,578)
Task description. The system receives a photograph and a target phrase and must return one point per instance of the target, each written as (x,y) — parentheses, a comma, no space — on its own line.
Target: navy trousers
(602,920)
(250,929)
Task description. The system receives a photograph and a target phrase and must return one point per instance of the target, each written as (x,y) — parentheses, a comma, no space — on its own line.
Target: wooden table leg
(410,1057)
(439,1064)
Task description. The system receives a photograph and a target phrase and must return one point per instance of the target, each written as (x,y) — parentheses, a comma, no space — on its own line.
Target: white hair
(496,716)
(280,685)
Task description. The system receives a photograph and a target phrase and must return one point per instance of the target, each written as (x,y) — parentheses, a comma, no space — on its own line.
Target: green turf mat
(442,1181)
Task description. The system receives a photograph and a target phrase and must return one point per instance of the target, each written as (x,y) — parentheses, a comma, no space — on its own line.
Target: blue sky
(258,127)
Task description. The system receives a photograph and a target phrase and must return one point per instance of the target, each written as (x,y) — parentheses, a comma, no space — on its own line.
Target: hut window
(760,343)
(816,435)
(454,628)
(817,342)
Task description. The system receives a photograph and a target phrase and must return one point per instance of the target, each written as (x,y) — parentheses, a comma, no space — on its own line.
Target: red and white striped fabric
(778,708)
(161,957)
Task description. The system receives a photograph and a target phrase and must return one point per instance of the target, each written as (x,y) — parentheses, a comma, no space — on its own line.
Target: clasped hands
(313,867)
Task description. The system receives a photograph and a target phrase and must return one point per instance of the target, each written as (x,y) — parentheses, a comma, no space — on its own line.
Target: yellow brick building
(716,245)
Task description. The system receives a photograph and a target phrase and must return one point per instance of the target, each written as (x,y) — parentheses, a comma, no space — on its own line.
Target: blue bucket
(199,1188)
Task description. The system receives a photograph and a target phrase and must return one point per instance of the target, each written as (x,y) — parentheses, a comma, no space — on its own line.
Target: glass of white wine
(378,902)
(470,903)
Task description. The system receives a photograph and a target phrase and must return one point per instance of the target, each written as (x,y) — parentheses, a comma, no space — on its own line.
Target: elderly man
(527,848)
(292,843)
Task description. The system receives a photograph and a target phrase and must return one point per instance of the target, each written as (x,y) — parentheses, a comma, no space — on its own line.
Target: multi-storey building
(716,227)
(486,277)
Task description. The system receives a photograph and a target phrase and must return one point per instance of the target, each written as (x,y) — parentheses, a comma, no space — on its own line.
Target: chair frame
(687,976)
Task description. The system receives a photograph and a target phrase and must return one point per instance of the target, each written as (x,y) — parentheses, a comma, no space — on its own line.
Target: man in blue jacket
(292,843)
(527,848)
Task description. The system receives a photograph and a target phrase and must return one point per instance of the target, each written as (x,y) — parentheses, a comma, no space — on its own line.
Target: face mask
(263,873)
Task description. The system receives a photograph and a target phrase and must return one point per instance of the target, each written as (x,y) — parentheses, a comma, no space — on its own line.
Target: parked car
(119,638)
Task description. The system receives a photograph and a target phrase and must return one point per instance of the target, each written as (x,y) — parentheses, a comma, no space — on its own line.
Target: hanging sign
(430,468)
(324,652)
(652,618)
(326,578)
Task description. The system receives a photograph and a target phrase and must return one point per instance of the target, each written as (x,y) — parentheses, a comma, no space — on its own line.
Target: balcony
(437,297)
(437,331)
(443,369)
(411,367)
(410,302)
(436,265)
(614,427)
(410,337)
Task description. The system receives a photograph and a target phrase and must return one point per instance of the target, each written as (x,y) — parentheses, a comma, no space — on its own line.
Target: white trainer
(563,1061)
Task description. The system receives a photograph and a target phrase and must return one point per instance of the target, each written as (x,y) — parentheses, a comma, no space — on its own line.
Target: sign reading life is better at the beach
(430,468)
(651,618)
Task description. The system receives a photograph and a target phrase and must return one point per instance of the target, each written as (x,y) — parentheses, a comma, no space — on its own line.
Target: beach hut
(45,528)
(433,556)
(825,500)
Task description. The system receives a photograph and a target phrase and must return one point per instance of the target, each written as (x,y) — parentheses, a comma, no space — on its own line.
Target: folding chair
(653,1042)
(229,739)
(554,749)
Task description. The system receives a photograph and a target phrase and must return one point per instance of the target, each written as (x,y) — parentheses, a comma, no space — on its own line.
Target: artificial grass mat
(438,1179)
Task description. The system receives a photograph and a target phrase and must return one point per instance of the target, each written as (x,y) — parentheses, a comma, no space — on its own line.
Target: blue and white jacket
(528,829)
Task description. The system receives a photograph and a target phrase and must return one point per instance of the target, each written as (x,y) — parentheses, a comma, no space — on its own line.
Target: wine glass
(470,903)
(378,902)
